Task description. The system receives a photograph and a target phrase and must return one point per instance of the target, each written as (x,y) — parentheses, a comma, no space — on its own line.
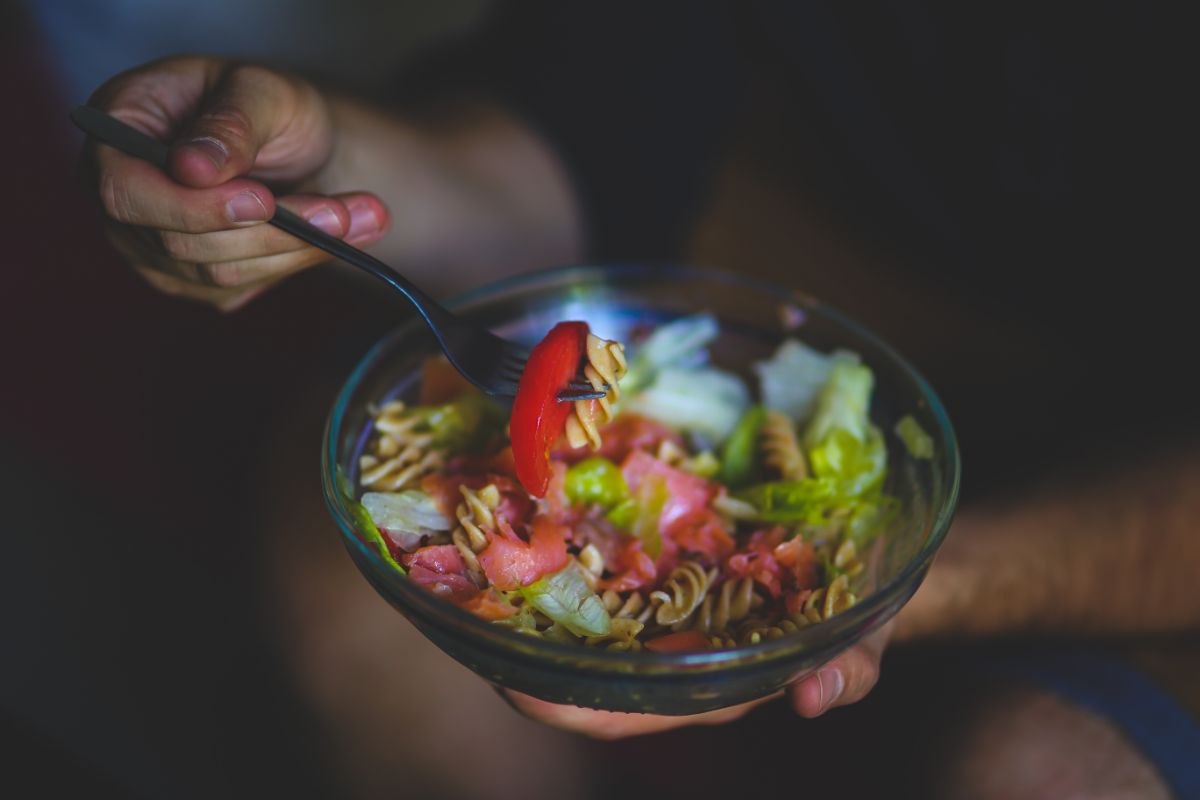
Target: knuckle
(176,245)
(226,123)
(227,275)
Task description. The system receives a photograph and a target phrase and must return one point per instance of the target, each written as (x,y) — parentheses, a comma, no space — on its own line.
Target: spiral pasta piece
(685,588)
(400,455)
(823,603)
(475,513)
(704,463)
(735,599)
(460,541)
(781,449)
(632,606)
(604,368)
(593,564)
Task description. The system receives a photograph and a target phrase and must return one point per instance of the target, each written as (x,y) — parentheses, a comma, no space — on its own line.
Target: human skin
(479,191)
(469,186)
(1110,553)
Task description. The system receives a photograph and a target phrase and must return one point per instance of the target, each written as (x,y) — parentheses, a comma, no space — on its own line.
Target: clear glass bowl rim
(806,641)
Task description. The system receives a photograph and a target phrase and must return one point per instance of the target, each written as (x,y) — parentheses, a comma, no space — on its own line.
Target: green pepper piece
(623,514)
(739,456)
(462,423)
(596,480)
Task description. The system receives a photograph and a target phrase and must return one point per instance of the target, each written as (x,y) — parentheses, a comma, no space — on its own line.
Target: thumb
(844,680)
(240,122)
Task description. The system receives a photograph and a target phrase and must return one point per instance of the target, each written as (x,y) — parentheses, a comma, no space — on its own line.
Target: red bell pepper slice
(538,419)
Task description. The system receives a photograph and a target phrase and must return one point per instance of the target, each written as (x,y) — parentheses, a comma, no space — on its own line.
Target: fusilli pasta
(685,589)
(781,449)
(474,516)
(400,455)
(732,603)
(605,366)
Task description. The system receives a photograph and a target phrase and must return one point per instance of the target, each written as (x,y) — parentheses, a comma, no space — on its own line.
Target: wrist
(980,584)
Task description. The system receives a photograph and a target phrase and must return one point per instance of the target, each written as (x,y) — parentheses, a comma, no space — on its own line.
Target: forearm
(1110,555)
(473,197)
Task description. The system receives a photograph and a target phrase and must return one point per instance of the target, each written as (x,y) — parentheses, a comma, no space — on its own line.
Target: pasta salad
(689,508)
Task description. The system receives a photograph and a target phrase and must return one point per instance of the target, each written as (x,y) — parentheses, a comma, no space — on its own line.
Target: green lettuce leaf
(680,342)
(855,466)
(703,400)
(843,402)
(792,377)
(565,597)
(367,528)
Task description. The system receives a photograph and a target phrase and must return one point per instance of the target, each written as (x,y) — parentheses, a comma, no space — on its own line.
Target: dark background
(170,592)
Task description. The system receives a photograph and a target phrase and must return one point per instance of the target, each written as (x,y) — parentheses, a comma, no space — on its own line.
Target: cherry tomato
(538,419)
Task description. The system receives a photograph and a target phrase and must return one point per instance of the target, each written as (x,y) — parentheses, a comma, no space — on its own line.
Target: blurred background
(179,617)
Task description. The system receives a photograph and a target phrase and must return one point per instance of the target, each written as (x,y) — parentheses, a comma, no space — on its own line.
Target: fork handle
(132,142)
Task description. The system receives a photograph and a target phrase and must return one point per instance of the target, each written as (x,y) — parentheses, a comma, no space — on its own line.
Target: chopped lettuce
(406,516)
(641,513)
(819,502)
(791,378)
(596,480)
(810,500)
(679,343)
(706,400)
(916,440)
(870,515)
(524,619)
(843,401)
(739,458)
(565,597)
(843,445)
(847,456)
(855,466)
(374,538)
(652,496)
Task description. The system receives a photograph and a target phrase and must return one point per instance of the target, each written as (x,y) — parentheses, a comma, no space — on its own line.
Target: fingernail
(212,149)
(246,207)
(363,221)
(832,684)
(327,221)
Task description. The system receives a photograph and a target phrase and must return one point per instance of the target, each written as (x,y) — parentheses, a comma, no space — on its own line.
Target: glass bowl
(754,317)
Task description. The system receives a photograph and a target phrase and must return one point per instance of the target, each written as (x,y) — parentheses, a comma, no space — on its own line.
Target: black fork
(490,362)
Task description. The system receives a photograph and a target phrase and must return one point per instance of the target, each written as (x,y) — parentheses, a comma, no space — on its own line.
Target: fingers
(196,230)
(222,299)
(134,192)
(252,120)
(227,268)
(330,214)
(844,680)
(224,119)
(616,724)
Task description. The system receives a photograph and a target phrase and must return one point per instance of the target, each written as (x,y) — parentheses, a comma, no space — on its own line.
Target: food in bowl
(690,509)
